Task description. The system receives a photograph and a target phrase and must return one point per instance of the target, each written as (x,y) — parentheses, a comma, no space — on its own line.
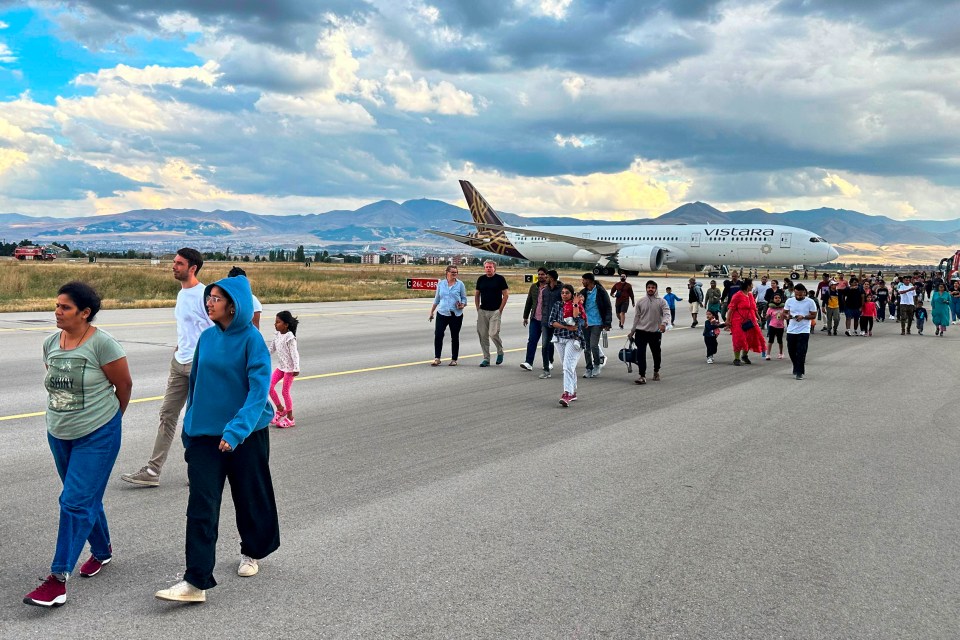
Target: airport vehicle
(635,248)
(31,252)
(949,268)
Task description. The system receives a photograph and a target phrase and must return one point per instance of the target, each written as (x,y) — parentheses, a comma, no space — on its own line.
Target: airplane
(634,248)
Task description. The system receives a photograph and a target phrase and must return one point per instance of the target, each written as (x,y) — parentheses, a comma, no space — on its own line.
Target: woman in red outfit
(743,310)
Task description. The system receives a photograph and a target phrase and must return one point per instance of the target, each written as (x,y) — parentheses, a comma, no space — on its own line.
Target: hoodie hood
(238,288)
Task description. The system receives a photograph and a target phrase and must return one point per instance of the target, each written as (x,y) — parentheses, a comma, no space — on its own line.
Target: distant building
(336,260)
(460,260)
(401,258)
(370,258)
(434,259)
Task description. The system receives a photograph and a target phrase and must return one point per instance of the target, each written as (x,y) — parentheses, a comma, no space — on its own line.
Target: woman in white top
(448,305)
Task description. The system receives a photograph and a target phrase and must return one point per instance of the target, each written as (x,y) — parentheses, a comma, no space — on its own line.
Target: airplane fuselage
(744,244)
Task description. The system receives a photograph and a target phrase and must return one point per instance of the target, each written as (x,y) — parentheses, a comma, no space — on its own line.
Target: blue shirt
(671,300)
(448,296)
(593,311)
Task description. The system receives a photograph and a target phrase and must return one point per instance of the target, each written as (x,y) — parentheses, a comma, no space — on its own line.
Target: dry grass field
(127,284)
(29,286)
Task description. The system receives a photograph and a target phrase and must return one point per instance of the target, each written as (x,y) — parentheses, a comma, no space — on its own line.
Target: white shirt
(256,304)
(190,313)
(906,297)
(759,291)
(799,307)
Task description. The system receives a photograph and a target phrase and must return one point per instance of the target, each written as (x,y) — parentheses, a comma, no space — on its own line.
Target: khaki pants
(178,385)
(488,328)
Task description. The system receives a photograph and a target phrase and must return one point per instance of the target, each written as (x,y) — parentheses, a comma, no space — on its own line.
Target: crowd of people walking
(758,315)
(221,371)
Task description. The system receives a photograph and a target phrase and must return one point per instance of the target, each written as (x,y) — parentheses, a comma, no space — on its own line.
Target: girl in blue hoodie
(225,438)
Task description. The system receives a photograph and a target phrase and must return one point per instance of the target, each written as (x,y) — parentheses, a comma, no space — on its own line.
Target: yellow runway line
(52,326)
(332,374)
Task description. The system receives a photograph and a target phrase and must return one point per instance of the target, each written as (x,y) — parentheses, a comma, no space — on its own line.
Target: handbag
(628,355)
(748,325)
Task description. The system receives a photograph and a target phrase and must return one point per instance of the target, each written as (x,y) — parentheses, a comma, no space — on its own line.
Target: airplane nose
(832,254)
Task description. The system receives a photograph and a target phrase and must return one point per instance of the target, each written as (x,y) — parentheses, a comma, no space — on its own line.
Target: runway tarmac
(422,502)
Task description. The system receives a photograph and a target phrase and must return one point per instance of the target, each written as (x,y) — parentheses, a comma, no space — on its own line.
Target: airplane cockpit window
(814,239)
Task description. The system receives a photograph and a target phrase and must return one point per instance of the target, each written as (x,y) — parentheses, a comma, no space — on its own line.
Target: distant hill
(389,221)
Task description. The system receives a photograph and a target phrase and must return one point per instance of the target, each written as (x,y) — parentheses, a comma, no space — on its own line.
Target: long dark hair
(290,320)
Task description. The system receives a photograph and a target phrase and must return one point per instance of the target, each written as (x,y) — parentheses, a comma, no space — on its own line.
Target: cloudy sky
(613,108)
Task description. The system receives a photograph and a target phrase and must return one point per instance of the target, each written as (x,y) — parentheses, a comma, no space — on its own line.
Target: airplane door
(785,240)
(585,235)
(694,239)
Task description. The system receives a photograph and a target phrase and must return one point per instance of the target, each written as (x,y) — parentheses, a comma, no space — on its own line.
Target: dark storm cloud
(62,179)
(935,23)
(288,24)
(595,37)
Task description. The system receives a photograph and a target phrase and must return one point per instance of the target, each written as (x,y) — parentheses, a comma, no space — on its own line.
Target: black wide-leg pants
(248,470)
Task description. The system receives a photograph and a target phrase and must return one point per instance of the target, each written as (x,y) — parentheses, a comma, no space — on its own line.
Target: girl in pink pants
(284,344)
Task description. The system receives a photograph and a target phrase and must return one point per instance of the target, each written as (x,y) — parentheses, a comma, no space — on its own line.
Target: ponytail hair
(290,320)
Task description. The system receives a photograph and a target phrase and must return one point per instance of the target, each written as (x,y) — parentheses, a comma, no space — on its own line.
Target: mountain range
(403,225)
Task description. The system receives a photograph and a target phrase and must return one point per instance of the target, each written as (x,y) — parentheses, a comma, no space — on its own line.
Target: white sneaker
(709,360)
(248,567)
(544,375)
(183,591)
(588,373)
(526,366)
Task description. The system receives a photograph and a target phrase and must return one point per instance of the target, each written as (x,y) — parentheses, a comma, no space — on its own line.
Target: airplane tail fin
(480,209)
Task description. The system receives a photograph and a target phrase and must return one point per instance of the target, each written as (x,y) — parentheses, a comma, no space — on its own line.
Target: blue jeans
(546,349)
(534,332)
(955,309)
(84,466)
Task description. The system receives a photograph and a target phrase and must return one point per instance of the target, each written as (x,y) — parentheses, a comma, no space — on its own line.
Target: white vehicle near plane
(635,248)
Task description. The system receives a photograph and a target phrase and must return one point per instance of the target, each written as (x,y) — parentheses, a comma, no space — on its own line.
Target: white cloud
(321,108)
(647,189)
(6,55)
(419,96)
(150,76)
(4,25)
(556,9)
(574,86)
(573,141)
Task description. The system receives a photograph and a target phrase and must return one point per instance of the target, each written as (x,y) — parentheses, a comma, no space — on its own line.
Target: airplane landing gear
(794,276)
(603,271)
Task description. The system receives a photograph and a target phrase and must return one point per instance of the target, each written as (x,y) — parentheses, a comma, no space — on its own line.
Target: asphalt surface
(422,502)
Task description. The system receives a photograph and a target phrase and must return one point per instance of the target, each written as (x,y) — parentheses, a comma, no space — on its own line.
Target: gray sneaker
(544,375)
(145,478)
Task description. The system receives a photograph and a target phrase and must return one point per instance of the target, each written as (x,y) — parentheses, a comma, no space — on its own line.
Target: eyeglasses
(215,299)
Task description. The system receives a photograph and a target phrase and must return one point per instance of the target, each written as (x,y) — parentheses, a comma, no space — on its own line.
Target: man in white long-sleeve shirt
(650,320)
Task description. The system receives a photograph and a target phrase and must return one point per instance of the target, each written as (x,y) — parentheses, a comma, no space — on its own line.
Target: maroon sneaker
(572,397)
(52,593)
(565,399)
(92,566)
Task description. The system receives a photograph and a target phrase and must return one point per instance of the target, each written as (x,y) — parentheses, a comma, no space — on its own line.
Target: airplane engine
(640,258)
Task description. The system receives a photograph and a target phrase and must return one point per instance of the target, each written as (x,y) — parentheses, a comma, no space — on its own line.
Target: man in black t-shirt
(730,287)
(490,298)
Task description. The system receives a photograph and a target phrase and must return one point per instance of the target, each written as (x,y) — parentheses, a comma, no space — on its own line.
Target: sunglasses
(215,299)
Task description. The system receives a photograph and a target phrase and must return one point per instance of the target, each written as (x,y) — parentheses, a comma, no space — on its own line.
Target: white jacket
(285,346)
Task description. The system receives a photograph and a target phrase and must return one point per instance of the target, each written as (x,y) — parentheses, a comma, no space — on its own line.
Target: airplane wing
(602,247)
(452,236)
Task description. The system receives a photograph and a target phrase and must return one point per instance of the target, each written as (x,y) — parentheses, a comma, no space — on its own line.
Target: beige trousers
(488,328)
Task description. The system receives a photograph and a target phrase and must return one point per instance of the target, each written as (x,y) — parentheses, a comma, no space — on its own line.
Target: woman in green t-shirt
(88,387)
